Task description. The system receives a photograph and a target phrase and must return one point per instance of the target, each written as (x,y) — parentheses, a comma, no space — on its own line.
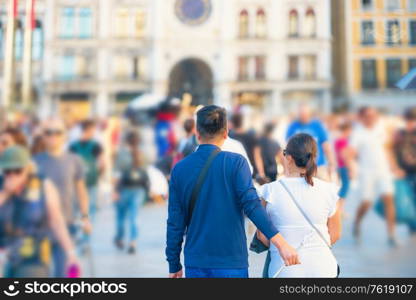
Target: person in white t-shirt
(368,146)
(232,145)
(317,199)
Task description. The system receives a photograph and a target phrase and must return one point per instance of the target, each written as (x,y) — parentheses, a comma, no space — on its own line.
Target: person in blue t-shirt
(314,127)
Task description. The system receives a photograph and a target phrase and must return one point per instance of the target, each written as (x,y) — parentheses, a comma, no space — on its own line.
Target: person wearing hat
(404,148)
(29,212)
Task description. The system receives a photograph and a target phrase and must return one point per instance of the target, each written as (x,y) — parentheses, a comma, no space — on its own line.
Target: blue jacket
(216,236)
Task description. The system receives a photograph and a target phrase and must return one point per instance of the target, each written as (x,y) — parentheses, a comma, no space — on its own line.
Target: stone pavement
(372,258)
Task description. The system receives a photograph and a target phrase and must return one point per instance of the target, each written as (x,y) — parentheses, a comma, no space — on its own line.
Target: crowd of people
(56,174)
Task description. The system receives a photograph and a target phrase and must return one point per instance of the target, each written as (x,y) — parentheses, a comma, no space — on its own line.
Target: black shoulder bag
(200,181)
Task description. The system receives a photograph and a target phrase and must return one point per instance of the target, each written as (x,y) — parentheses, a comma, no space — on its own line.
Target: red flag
(15,8)
(33,15)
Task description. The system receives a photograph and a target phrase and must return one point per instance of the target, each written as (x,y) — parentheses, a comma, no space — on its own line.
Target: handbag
(199,182)
(404,203)
(310,223)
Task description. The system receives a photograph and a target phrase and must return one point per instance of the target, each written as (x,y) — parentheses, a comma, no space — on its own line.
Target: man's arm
(175,231)
(252,207)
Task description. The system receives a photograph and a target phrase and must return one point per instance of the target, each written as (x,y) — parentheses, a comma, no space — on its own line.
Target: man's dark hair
(237,120)
(410,114)
(269,128)
(87,124)
(189,125)
(211,121)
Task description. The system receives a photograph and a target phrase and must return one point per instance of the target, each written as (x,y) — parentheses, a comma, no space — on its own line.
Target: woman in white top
(317,198)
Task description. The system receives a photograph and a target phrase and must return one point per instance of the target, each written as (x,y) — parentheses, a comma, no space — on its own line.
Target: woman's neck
(295,173)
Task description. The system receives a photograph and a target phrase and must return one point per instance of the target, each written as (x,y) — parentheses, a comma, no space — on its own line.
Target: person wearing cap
(29,211)
(404,149)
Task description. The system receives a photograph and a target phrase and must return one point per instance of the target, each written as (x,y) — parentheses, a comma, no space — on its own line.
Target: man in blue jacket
(215,243)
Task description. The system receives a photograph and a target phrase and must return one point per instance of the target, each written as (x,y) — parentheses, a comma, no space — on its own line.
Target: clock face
(193,12)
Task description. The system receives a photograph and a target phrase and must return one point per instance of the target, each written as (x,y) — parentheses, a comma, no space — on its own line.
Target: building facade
(270,54)
(379,47)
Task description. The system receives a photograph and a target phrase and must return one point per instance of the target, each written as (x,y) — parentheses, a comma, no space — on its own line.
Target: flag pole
(30,25)
(9,55)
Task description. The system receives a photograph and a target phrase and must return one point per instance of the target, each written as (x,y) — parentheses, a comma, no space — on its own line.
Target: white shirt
(370,146)
(319,202)
(232,145)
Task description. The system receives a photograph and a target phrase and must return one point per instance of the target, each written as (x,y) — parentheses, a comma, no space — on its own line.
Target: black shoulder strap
(199,183)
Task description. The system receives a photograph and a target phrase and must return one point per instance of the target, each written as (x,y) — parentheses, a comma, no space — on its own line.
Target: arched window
(85,22)
(261,24)
(19,40)
(37,50)
(140,23)
(243,24)
(293,23)
(310,23)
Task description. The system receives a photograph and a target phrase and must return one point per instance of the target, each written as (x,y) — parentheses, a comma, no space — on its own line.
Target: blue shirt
(315,129)
(216,236)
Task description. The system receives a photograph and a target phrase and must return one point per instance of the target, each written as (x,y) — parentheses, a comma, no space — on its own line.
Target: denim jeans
(127,209)
(411,178)
(59,256)
(92,197)
(345,182)
(215,273)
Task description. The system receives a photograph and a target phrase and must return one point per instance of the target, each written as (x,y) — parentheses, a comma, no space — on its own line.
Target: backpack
(85,151)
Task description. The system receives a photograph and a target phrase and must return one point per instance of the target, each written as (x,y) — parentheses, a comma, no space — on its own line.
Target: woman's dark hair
(303,149)
(189,125)
(211,121)
(133,140)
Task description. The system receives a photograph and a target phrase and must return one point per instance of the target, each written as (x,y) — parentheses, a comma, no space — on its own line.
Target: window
(367,33)
(121,67)
(412,63)
(366,4)
(393,71)
(139,67)
(19,41)
(260,67)
(293,67)
(67,68)
(310,67)
(85,23)
(393,33)
(310,23)
(412,32)
(261,24)
(243,68)
(293,23)
(37,50)
(369,74)
(122,23)
(67,29)
(140,23)
(392,5)
(243,24)
(412,5)
(82,66)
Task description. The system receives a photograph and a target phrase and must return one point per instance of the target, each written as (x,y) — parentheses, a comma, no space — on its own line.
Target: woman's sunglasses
(285,153)
(17,171)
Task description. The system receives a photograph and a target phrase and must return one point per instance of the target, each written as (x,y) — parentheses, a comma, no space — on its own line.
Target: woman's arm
(57,222)
(262,238)
(335,225)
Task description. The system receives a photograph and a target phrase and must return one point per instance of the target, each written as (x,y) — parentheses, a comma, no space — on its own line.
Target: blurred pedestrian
(250,143)
(29,210)
(271,152)
(189,143)
(368,144)
(344,171)
(305,209)
(91,153)
(66,171)
(305,123)
(209,192)
(404,147)
(131,188)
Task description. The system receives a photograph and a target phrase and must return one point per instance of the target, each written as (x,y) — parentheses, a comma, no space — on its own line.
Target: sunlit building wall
(380,47)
